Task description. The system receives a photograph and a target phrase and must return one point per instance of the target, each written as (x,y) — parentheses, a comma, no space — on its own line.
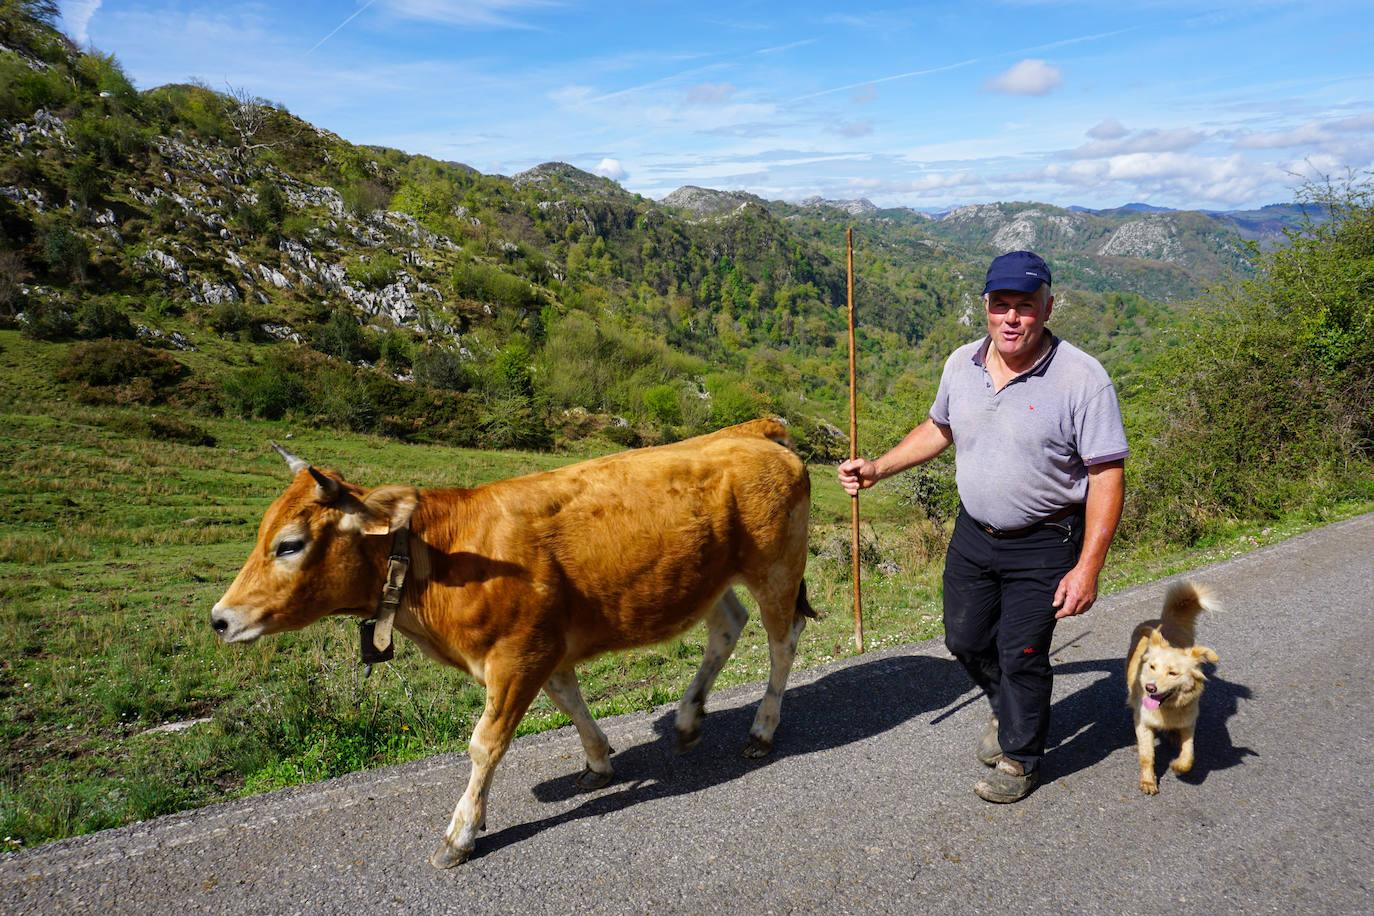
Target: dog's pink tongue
(1151,702)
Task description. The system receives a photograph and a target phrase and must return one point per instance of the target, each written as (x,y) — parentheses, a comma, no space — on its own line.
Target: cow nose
(219,624)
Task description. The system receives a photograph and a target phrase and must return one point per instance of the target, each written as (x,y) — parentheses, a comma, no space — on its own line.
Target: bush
(342,337)
(48,319)
(490,284)
(1266,409)
(162,429)
(374,272)
(267,391)
(436,367)
(103,363)
(67,254)
(101,318)
(364,197)
(24,90)
(229,318)
(663,404)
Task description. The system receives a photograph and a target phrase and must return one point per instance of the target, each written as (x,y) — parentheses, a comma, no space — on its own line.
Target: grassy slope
(114,546)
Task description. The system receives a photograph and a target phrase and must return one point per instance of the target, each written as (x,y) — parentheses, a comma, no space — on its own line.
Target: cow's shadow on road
(848,705)
(1091,723)
(860,702)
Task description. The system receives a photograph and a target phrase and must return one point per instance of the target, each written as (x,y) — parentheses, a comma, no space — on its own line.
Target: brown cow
(517,581)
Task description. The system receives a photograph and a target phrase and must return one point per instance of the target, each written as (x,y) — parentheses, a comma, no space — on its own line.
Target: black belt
(1066,512)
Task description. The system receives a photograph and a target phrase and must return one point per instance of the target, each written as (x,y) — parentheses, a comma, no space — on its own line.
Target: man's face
(1016,321)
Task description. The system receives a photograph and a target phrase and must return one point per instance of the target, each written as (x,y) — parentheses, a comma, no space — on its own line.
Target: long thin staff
(854,448)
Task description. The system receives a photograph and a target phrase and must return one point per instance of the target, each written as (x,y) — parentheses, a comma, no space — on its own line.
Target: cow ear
(327,489)
(387,508)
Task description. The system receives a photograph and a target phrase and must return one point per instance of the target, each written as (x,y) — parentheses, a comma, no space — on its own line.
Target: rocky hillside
(366,287)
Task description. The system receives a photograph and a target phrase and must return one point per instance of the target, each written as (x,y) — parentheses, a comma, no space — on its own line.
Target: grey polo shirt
(1021,454)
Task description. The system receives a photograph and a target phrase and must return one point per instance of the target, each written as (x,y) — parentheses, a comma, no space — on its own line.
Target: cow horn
(297,464)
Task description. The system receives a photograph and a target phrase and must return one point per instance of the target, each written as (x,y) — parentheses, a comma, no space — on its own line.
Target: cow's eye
(288,547)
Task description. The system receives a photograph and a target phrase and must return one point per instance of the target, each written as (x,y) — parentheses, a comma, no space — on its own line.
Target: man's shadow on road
(843,707)
(1091,723)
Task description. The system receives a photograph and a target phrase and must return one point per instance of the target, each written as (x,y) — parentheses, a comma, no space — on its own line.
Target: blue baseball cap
(1022,271)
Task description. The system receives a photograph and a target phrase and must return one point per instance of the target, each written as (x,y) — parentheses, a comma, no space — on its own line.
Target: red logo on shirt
(1028,651)
(1031,406)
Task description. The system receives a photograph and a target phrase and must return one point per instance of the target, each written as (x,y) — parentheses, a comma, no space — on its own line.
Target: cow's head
(321,550)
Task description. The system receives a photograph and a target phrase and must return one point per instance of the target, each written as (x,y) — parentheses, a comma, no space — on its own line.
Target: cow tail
(804,608)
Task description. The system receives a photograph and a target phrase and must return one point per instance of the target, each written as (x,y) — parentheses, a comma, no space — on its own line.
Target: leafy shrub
(13,276)
(374,272)
(24,90)
(102,318)
(490,284)
(394,350)
(342,337)
(67,254)
(103,363)
(662,402)
(436,367)
(162,429)
(229,318)
(267,391)
(48,319)
(365,196)
(931,488)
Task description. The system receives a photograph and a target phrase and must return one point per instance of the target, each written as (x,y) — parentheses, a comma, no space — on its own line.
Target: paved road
(866,805)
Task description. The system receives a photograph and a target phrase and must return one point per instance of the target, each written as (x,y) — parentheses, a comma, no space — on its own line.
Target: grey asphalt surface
(866,804)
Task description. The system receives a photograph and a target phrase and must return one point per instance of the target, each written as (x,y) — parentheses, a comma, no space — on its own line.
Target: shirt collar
(981,353)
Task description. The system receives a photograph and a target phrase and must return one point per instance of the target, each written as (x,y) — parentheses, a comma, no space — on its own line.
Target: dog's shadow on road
(1091,723)
(845,706)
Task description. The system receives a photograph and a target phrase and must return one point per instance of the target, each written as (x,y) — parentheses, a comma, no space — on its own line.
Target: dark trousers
(999,618)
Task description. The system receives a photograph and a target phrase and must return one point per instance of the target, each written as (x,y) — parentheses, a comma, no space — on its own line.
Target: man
(1039,456)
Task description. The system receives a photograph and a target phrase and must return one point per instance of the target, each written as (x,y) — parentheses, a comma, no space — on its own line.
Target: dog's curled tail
(1182,604)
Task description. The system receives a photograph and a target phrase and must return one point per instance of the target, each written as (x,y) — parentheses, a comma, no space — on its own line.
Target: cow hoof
(447,856)
(757,747)
(688,740)
(589,780)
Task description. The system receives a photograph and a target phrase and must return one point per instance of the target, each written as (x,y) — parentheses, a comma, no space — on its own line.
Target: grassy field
(115,542)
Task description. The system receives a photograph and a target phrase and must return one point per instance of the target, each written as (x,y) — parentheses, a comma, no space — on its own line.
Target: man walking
(1039,455)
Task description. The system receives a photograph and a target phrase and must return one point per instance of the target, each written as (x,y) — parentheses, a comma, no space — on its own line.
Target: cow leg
(563,689)
(784,626)
(724,623)
(510,690)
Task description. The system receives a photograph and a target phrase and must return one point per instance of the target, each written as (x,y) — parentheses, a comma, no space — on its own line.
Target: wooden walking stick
(854,448)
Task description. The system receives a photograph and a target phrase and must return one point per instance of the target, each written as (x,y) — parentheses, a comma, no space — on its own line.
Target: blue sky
(1218,104)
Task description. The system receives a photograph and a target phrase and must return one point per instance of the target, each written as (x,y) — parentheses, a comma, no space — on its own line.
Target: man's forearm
(1106,497)
(921,444)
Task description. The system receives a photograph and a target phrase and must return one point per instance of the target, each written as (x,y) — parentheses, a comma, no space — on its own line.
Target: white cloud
(1030,77)
(852,129)
(76,16)
(1144,141)
(1107,129)
(710,94)
(1313,133)
(495,13)
(612,169)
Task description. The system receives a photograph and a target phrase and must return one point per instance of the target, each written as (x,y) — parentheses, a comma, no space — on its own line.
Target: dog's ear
(1157,638)
(1204,653)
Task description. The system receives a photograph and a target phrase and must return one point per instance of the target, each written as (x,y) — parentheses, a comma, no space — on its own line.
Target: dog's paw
(1181,765)
(1149,786)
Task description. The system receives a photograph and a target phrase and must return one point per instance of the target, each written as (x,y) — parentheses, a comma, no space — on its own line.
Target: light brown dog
(1164,678)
